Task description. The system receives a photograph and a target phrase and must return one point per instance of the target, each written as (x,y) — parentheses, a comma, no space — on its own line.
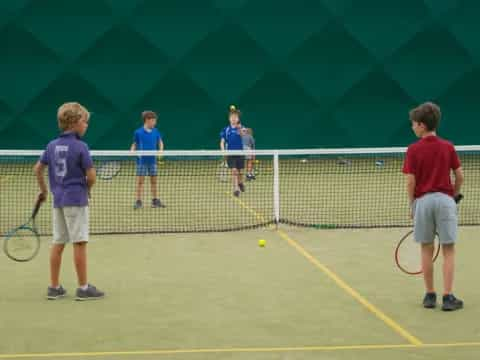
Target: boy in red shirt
(433,198)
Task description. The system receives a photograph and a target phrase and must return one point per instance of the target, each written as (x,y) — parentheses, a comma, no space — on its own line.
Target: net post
(276,188)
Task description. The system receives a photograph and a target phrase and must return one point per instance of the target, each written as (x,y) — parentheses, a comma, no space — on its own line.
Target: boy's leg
(56,252)
(139,192)
(80,260)
(427,266)
(153,186)
(235,179)
(448,267)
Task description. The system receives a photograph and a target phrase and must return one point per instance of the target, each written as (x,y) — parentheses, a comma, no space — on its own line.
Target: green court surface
(309,294)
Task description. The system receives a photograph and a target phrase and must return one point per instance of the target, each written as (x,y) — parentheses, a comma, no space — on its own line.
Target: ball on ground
(262,242)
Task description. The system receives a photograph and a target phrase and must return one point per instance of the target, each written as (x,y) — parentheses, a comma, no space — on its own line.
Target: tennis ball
(262,242)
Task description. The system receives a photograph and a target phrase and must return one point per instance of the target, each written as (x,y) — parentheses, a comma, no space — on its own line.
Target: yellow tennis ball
(262,242)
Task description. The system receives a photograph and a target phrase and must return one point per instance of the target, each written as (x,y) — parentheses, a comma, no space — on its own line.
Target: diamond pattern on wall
(318,72)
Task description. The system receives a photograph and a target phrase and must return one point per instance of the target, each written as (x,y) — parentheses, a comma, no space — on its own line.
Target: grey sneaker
(54,294)
(138,205)
(236,193)
(430,301)
(156,203)
(451,303)
(241,187)
(91,293)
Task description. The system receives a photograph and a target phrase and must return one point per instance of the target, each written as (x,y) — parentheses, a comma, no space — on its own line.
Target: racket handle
(38,204)
(458,198)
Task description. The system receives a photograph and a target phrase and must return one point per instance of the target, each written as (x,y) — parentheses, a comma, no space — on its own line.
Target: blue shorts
(147,169)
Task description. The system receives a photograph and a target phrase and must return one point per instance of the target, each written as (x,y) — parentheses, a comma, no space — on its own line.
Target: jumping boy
(71,177)
(432,196)
(231,139)
(147,138)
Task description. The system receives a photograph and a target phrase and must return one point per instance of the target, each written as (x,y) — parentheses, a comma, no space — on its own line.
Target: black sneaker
(451,303)
(430,301)
(248,177)
(253,177)
(138,205)
(91,293)
(54,294)
(241,187)
(156,203)
(236,193)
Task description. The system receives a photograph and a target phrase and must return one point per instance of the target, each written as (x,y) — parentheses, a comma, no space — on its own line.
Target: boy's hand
(42,196)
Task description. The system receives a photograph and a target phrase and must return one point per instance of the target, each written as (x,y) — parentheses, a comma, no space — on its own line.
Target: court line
(328,348)
(338,280)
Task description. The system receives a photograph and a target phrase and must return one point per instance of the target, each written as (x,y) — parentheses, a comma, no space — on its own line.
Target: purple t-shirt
(68,160)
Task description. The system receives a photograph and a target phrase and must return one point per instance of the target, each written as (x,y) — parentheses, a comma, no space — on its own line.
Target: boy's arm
(91,178)
(161,146)
(222,144)
(411,182)
(133,147)
(458,174)
(39,168)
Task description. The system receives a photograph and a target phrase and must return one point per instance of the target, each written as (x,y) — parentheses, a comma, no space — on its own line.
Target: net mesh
(316,189)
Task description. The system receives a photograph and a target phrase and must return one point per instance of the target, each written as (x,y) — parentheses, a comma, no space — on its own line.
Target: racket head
(408,255)
(108,170)
(22,243)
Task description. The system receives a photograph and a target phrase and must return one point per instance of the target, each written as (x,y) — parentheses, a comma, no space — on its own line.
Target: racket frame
(397,255)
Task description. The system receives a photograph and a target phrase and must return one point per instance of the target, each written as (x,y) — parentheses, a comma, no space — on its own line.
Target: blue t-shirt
(146,140)
(68,160)
(232,138)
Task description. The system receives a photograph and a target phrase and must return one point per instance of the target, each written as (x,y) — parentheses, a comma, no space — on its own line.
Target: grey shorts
(70,224)
(435,213)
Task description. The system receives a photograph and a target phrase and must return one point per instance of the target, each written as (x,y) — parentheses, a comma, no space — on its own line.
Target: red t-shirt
(431,160)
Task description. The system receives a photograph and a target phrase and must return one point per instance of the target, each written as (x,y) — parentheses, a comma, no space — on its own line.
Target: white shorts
(70,224)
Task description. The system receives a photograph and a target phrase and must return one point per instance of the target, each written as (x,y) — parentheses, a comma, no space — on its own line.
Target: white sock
(84,287)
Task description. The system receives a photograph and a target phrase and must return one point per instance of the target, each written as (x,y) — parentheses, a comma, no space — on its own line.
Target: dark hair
(148,115)
(428,114)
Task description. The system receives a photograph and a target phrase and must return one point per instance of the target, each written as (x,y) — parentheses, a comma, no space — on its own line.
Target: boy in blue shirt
(231,139)
(71,176)
(147,138)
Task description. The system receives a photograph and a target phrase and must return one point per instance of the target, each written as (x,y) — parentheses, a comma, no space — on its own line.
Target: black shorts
(236,161)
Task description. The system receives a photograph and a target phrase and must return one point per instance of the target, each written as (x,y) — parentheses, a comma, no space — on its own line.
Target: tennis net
(321,188)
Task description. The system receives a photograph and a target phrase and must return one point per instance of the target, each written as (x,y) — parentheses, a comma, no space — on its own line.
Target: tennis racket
(407,252)
(108,170)
(23,242)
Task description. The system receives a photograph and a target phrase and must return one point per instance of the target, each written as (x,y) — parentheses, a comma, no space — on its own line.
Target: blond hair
(69,114)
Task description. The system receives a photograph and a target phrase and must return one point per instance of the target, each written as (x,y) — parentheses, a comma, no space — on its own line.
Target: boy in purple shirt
(71,176)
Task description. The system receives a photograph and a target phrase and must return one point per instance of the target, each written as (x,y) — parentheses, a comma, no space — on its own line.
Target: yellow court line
(339,281)
(327,348)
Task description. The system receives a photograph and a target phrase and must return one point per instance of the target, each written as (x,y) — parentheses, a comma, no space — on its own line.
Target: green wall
(309,73)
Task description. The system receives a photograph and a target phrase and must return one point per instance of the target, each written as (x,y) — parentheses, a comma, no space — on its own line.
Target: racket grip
(458,198)
(38,204)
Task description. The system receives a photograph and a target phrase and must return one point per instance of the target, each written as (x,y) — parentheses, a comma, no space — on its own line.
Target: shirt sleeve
(455,161)
(44,157)
(85,158)
(223,134)
(409,163)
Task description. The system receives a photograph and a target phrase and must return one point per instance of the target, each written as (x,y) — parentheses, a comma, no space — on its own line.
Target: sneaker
(156,203)
(451,303)
(138,205)
(91,293)
(430,301)
(248,177)
(236,193)
(253,177)
(54,294)
(241,187)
